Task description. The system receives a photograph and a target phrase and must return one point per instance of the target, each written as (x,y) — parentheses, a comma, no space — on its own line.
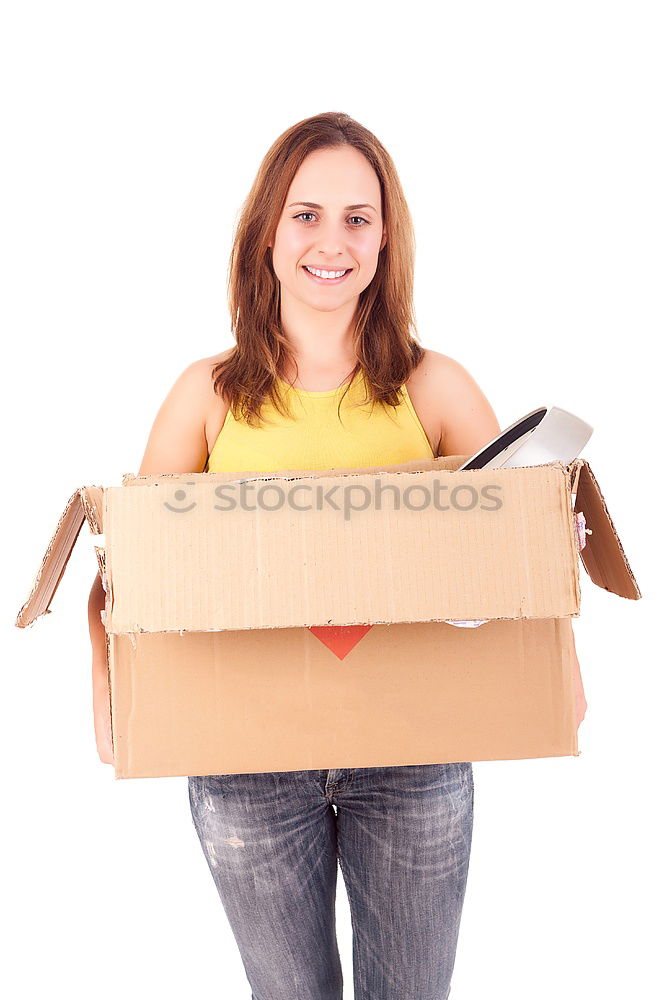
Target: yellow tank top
(314,438)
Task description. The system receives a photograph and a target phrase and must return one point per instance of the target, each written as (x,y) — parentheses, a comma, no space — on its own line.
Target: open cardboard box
(303,619)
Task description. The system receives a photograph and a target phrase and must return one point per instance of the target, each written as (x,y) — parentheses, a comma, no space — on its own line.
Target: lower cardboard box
(299,698)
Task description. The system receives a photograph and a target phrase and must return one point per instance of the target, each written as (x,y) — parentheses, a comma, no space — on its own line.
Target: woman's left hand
(580,698)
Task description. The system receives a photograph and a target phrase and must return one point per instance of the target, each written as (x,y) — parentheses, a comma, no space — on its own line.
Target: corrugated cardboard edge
(448,462)
(85,504)
(603,555)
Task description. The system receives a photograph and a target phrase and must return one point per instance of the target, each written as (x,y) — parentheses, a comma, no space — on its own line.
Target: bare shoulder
(178,438)
(441,372)
(198,379)
(449,391)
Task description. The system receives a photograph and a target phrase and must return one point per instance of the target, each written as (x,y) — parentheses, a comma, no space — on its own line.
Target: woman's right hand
(101,701)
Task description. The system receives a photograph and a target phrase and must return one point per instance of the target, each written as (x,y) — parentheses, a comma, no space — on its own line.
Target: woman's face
(331,221)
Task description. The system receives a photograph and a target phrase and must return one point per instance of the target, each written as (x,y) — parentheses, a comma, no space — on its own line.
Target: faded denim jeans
(402,835)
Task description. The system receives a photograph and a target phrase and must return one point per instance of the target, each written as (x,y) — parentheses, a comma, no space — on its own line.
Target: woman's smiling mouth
(325,277)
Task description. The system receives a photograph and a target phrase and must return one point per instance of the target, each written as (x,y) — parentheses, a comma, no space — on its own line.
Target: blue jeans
(402,835)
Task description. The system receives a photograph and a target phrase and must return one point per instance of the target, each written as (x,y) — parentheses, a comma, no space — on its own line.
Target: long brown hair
(384,336)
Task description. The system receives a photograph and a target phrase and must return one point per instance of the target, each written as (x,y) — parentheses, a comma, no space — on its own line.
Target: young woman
(326,372)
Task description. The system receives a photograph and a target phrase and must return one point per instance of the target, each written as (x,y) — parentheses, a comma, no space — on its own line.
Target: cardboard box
(303,619)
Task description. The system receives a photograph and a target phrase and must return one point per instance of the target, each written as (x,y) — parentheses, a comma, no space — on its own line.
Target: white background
(530,140)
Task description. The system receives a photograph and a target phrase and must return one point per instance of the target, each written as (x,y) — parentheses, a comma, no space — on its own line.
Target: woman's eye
(356,226)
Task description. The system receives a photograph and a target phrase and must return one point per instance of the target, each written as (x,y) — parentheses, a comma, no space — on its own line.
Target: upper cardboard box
(417,542)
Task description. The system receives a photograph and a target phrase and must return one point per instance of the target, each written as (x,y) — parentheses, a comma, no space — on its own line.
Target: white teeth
(325,274)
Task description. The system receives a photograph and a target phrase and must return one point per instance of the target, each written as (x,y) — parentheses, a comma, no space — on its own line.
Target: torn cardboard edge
(447,463)
(85,504)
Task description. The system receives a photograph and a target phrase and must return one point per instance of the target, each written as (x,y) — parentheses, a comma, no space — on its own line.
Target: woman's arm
(467,420)
(177,440)
(177,443)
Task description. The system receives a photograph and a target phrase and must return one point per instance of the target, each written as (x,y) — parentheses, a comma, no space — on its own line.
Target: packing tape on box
(580,529)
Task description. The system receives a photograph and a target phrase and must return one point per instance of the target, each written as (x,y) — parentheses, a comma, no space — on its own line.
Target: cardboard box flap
(85,504)
(603,554)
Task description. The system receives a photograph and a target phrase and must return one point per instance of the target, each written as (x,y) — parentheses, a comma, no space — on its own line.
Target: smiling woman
(327,372)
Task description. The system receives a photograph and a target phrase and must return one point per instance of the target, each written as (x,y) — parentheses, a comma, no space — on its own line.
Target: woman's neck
(318,376)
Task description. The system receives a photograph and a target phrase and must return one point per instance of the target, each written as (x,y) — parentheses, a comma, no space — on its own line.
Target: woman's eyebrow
(312,204)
